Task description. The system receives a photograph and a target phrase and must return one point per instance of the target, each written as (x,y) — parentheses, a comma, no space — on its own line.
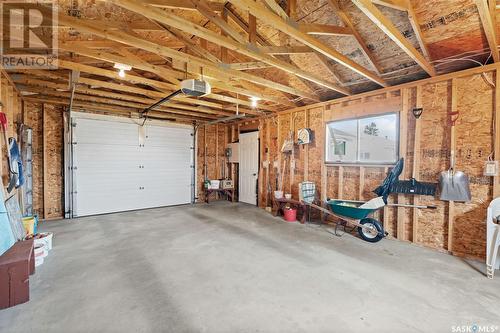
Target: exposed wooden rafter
(166,72)
(122,37)
(383,23)
(190,27)
(489,27)
(277,22)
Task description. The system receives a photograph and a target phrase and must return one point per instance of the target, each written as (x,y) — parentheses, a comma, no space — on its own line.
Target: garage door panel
(113,173)
(108,132)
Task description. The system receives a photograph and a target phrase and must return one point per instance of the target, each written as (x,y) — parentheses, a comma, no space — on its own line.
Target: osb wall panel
(53,129)
(34,119)
(200,163)
(315,149)
(434,144)
(474,142)
(298,155)
(284,128)
(49,121)
(212,141)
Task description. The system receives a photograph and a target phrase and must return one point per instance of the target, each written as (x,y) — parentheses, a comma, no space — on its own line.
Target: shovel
(454,185)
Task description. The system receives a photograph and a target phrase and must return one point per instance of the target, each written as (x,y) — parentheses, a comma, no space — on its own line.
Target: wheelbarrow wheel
(373,233)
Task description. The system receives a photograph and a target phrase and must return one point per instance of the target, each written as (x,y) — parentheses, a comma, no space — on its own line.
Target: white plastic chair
(493,238)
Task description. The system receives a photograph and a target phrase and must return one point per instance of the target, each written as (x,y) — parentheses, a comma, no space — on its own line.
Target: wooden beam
(240,66)
(139,103)
(403,129)
(111,108)
(276,8)
(364,47)
(451,204)
(285,49)
(83,25)
(252,29)
(183,4)
(291,9)
(134,79)
(247,50)
(496,139)
(285,26)
(44,159)
(113,86)
(412,16)
(416,165)
(370,10)
(173,75)
(325,30)
(395,4)
(489,27)
(224,57)
(204,9)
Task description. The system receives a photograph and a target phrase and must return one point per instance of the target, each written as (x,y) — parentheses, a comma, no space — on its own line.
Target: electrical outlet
(276,165)
(265,164)
(491,168)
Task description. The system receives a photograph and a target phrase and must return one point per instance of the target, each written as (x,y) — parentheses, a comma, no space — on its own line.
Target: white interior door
(117,169)
(249,167)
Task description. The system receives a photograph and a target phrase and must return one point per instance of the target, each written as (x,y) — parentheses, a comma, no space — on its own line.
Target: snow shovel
(454,185)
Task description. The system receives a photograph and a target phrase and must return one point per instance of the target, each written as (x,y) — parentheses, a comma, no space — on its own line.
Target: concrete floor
(234,268)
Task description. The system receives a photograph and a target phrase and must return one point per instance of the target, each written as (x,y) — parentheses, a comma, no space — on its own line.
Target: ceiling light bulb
(254,101)
(121,73)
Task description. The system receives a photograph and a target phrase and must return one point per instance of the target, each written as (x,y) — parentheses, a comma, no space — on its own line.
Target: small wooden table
(279,206)
(229,192)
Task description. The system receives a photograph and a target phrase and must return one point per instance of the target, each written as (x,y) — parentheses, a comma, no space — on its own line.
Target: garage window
(370,140)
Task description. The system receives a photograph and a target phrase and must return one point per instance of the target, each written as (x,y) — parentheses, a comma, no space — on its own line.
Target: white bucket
(214,184)
(38,261)
(45,239)
(40,251)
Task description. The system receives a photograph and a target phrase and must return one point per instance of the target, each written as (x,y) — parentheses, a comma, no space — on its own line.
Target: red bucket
(290,215)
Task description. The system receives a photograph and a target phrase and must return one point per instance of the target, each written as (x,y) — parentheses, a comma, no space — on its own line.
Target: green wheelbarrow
(369,229)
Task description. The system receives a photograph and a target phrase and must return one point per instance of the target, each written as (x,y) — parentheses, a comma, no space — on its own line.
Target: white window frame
(358,138)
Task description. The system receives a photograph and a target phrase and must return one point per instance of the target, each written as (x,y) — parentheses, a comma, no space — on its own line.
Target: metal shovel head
(454,186)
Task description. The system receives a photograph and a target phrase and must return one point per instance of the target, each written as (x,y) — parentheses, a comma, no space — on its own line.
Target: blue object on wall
(6,235)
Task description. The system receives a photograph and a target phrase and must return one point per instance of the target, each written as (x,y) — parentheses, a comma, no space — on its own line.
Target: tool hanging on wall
(413,186)
(454,185)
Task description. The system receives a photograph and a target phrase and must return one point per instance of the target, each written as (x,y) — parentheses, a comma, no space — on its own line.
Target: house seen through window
(372,140)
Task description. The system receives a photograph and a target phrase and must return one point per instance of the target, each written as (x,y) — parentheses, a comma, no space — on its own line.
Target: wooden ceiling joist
(113,101)
(268,46)
(183,4)
(402,5)
(489,27)
(276,8)
(383,23)
(277,22)
(241,66)
(277,50)
(122,37)
(99,107)
(82,88)
(325,30)
(177,75)
(344,17)
(229,43)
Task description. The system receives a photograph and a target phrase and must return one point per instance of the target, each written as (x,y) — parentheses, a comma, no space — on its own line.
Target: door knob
(255,174)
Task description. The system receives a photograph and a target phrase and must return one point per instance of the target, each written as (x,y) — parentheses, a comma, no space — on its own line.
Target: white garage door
(118,169)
